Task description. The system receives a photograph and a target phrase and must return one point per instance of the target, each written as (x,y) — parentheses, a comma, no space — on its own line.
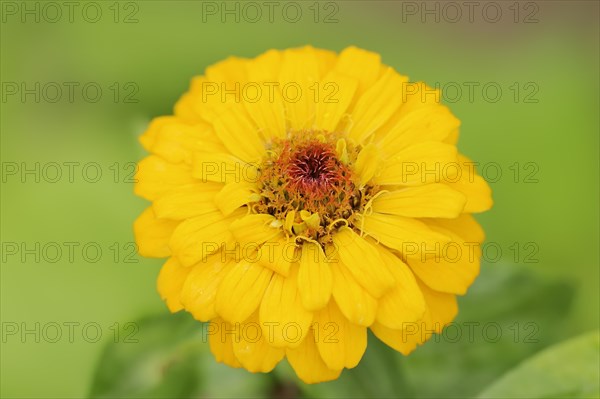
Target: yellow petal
(298,80)
(402,340)
(314,277)
(377,105)
(359,64)
(221,335)
(335,95)
(241,291)
(210,95)
(254,229)
(223,168)
(432,122)
(353,300)
(452,137)
(430,200)
(278,254)
(421,163)
(187,201)
(200,289)
(454,275)
(419,95)
(152,235)
(149,136)
(474,187)
(401,233)
(455,266)
(267,110)
(263,101)
(253,350)
(239,134)
(312,220)
(170,281)
(231,69)
(363,262)
(419,118)
(234,195)
(265,67)
(367,163)
(208,99)
(340,342)
(341,149)
(185,107)
(308,364)
(441,310)
(177,141)
(198,237)
(284,320)
(465,226)
(326,60)
(405,302)
(155,177)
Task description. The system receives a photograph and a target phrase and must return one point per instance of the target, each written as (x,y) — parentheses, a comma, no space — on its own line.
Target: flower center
(307,183)
(313,169)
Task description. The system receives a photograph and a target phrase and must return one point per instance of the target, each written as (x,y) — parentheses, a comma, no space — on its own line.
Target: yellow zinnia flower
(302,197)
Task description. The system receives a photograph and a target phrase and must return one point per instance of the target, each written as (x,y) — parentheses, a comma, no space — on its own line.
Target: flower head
(302,197)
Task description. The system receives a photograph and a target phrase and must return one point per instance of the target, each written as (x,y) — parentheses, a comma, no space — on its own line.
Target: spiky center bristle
(314,167)
(308,173)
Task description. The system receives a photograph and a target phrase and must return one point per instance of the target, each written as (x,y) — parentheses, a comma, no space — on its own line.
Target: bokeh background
(541,289)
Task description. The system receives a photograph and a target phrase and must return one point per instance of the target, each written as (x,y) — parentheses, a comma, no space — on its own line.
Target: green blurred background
(542,294)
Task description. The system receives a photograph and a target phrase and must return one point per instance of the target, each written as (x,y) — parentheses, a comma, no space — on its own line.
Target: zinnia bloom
(304,196)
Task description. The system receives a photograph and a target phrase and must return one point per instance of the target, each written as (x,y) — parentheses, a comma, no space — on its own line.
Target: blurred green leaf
(509,314)
(569,369)
(167,357)
(378,375)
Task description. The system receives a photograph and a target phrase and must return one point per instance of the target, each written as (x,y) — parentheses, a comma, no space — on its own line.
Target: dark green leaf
(509,314)
(569,369)
(169,357)
(377,376)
